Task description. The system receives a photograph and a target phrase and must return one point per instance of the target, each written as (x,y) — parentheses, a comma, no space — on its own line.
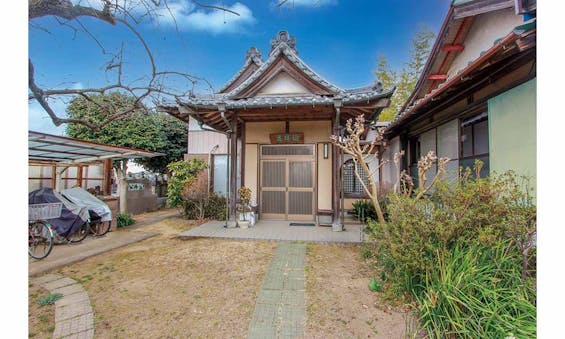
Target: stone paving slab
(73,310)
(58,283)
(45,278)
(74,317)
(74,326)
(68,290)
(81,335)
(72,299)
(280,310)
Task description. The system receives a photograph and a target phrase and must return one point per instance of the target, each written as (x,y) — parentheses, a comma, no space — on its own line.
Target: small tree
(363,154)
(195,194)
(182,173)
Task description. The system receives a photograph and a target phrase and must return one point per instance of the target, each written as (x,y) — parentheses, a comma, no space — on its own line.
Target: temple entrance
(287,182)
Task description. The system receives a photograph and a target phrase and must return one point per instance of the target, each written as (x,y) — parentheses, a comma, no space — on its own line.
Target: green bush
(365,211)
(123,220)
(182,172)
(425,238)
(214,207)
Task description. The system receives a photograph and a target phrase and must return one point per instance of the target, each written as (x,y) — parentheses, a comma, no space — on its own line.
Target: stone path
(73,313)
(280,310)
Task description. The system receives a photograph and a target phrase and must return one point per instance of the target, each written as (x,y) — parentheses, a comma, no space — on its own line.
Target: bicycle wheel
(40,240)
(100,228)
(80,234)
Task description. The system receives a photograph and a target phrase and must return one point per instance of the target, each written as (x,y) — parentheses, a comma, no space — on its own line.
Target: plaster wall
(283,83)
(201,142)
(485,30)
(512,131)
(389,171)
(250,175)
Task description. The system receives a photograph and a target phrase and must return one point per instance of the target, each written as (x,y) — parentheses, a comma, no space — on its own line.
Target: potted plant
(244,208)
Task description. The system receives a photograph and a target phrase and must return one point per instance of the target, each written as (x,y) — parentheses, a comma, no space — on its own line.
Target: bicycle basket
(45,211)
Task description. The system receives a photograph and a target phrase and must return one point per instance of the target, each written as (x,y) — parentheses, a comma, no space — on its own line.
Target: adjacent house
(476,97)
(276,116)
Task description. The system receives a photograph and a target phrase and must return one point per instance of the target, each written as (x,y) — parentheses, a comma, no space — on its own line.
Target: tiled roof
(348,97)
(253,56)
(283,45)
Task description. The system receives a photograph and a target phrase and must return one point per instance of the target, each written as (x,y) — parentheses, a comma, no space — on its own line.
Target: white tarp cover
(80,196)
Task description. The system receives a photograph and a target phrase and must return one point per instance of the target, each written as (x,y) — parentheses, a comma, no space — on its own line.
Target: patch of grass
(49,299)
(84,279)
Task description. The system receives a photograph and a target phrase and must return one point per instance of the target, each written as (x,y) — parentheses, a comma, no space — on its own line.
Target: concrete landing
(277,230)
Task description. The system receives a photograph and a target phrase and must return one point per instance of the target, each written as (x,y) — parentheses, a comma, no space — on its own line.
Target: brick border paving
(74,317)
(280,310)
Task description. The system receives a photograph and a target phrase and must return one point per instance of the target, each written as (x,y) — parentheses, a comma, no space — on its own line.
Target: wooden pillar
(53,176)
(233,168)
(107,177)
(79,176)
(336,182)
(242,154)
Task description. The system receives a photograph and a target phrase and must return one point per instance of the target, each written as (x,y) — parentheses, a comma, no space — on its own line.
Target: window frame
(472,121)
(358,195)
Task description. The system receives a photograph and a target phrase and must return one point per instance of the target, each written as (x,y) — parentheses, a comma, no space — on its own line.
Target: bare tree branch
(151,86)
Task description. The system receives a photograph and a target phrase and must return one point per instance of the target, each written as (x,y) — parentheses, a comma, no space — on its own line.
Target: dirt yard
(338,300)
(165,287)
(41,319)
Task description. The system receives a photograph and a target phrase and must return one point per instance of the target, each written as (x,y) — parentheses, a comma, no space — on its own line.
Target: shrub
(215,208)
(195,194)
(182,172)
(123,220)
(364,209)
(440,245)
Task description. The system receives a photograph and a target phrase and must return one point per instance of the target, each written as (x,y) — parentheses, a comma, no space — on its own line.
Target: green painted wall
(512,131)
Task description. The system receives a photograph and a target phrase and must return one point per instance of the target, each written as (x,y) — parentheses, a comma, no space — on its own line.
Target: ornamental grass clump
(464,252)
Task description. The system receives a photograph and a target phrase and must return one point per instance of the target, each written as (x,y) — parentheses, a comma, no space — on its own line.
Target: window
(474,142)
(351,184)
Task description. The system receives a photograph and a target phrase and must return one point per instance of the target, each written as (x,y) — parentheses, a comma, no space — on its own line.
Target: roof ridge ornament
(253,53)
(283,37)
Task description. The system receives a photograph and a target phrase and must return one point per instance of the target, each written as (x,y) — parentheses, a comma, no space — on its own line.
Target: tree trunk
(374,192)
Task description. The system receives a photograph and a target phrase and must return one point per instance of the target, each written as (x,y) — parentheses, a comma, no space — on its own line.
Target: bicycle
(40,232)
(93,226)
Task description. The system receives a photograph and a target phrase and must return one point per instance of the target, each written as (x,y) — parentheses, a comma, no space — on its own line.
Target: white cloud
(186,15)
(307,3)
(39,120)
(189,17)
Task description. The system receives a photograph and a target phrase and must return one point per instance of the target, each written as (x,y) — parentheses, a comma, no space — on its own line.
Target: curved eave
(270,102)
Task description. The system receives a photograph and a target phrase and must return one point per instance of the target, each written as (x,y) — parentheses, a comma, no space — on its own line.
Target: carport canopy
(63,151)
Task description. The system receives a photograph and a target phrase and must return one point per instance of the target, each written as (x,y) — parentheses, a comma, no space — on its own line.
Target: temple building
(272,122)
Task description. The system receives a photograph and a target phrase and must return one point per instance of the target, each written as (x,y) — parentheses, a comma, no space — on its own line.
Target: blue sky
(341,40)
